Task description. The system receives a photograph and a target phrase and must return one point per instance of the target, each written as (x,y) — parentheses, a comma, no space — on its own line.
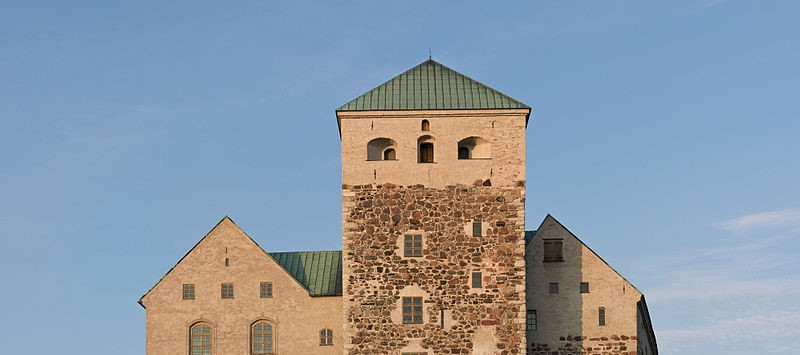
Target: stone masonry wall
(376,275)
(585,345)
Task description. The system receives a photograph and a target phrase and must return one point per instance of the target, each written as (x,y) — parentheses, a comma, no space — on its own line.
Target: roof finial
(430,56)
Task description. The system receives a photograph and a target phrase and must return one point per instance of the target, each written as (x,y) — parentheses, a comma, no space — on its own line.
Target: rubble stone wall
(487,320)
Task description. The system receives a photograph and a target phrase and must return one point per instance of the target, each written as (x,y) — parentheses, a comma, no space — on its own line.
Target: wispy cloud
(770,326)
(743,290)
(786,218)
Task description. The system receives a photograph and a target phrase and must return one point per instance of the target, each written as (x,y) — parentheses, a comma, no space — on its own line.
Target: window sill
(553,260)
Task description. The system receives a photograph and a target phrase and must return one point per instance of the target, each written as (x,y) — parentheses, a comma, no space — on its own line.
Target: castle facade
(434,259)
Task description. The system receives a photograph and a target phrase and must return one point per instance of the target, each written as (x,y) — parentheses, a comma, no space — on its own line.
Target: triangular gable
(432,86)
(228,219)
(550,217)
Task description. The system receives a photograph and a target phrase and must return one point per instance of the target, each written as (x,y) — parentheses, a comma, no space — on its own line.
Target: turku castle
(435,258)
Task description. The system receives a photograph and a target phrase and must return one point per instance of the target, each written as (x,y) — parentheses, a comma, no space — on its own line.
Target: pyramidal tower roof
(432,86)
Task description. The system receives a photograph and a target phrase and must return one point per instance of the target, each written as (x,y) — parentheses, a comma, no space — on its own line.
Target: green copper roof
(320,272)
(431,86)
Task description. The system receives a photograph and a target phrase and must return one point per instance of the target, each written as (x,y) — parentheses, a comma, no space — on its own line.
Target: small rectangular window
(531,323)
(584,287)
(188,291)
(553,250)
(553,287)
(477,228)
(477,279)
(412,310)
(226,290)
(412,245)
(325,337)
(601,316)
(266,290)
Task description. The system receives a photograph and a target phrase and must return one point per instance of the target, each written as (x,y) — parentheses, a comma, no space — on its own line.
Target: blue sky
(663,134)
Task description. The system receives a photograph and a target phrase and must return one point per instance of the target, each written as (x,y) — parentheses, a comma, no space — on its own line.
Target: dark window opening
(531,323)
(584,287)
(426,153)
(477,228)
(389,154)
(477,279)
(553,287)
(463,153)
(426,126)
(553,250)
(601,316)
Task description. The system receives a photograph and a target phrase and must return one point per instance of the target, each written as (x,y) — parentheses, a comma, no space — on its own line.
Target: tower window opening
(389,154)
(382,149)
(426,153)
(463,153)
(474,148)
(426,126)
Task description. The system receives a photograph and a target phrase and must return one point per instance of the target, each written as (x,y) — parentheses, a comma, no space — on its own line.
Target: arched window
(425,144)
(389,154)
(474,148)
(378,149)
(326,337)
(262,338)
(201,339)
(426,126)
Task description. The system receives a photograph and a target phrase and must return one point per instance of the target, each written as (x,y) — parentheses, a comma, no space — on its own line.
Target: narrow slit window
(601,316)
(426,126)
(477,279)
(531,323)
(477,228)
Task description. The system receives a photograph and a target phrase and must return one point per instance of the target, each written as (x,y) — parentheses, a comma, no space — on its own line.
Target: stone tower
(433,212)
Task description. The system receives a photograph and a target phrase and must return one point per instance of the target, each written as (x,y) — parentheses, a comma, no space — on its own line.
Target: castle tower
(433,207)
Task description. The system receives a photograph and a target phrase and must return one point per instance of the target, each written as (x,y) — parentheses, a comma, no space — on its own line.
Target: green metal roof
(320,272)
(431,86)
